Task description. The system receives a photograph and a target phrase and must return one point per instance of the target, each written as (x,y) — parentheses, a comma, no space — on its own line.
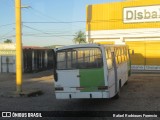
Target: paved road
(142,93)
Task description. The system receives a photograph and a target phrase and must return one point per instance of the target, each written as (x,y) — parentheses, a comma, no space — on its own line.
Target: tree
(8,41)
(79,37)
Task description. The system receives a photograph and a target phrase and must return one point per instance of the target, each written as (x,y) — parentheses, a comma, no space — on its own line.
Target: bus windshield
(79,58)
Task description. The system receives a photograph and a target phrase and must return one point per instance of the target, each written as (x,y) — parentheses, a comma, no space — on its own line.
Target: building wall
(110,16)
(7,57)
(135,23)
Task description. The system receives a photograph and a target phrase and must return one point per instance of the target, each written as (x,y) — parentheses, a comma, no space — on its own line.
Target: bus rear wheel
(116,96)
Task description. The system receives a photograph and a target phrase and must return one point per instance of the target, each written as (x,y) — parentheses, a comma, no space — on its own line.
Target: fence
(33,58)
(37,59)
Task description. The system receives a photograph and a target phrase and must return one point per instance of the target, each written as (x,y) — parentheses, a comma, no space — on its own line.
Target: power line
(39,12)
(7,25)
(6,34)
(35,35)
(46,16)
(60,36)
(40,30)
(91,21)
(35,29)
(7,37)
(51,18)
(52,35)
(58,22)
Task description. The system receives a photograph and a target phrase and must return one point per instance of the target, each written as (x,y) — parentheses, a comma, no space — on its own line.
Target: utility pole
(18,46)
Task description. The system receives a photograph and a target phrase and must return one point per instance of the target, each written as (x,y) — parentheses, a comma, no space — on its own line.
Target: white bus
(91,71)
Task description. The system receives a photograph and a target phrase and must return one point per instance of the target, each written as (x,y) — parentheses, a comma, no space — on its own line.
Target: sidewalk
(146,72)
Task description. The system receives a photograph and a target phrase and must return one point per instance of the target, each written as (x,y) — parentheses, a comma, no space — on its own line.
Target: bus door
(67,72)
(115,71)
(91,69)
(112,68)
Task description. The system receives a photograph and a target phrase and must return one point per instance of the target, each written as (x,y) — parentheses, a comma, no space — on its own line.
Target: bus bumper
(74,95)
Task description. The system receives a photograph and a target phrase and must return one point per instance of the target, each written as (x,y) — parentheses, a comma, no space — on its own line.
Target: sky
(45,22)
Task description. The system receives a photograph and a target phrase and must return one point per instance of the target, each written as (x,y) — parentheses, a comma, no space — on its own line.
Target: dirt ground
(142,93)
(29,81)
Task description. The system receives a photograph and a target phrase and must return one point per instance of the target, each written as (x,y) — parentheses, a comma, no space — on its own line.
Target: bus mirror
(54,65)
(54,59)
(55,76)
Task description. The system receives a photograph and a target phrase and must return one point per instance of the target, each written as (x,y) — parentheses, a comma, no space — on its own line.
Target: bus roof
(87,45)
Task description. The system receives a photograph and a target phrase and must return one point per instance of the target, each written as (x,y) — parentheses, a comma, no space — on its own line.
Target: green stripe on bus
(90,79)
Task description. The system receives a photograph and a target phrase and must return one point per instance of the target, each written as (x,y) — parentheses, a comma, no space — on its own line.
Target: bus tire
(119,86)
(126,82)
(116,96)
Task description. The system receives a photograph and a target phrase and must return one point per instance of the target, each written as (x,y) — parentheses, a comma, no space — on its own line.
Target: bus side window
(122,54)
(119,56)
(109,59)
(125,53)
(116,55)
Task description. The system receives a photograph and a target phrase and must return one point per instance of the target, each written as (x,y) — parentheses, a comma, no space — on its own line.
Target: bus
(91,71)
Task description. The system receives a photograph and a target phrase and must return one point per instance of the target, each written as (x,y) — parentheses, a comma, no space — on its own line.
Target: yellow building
(135,23)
